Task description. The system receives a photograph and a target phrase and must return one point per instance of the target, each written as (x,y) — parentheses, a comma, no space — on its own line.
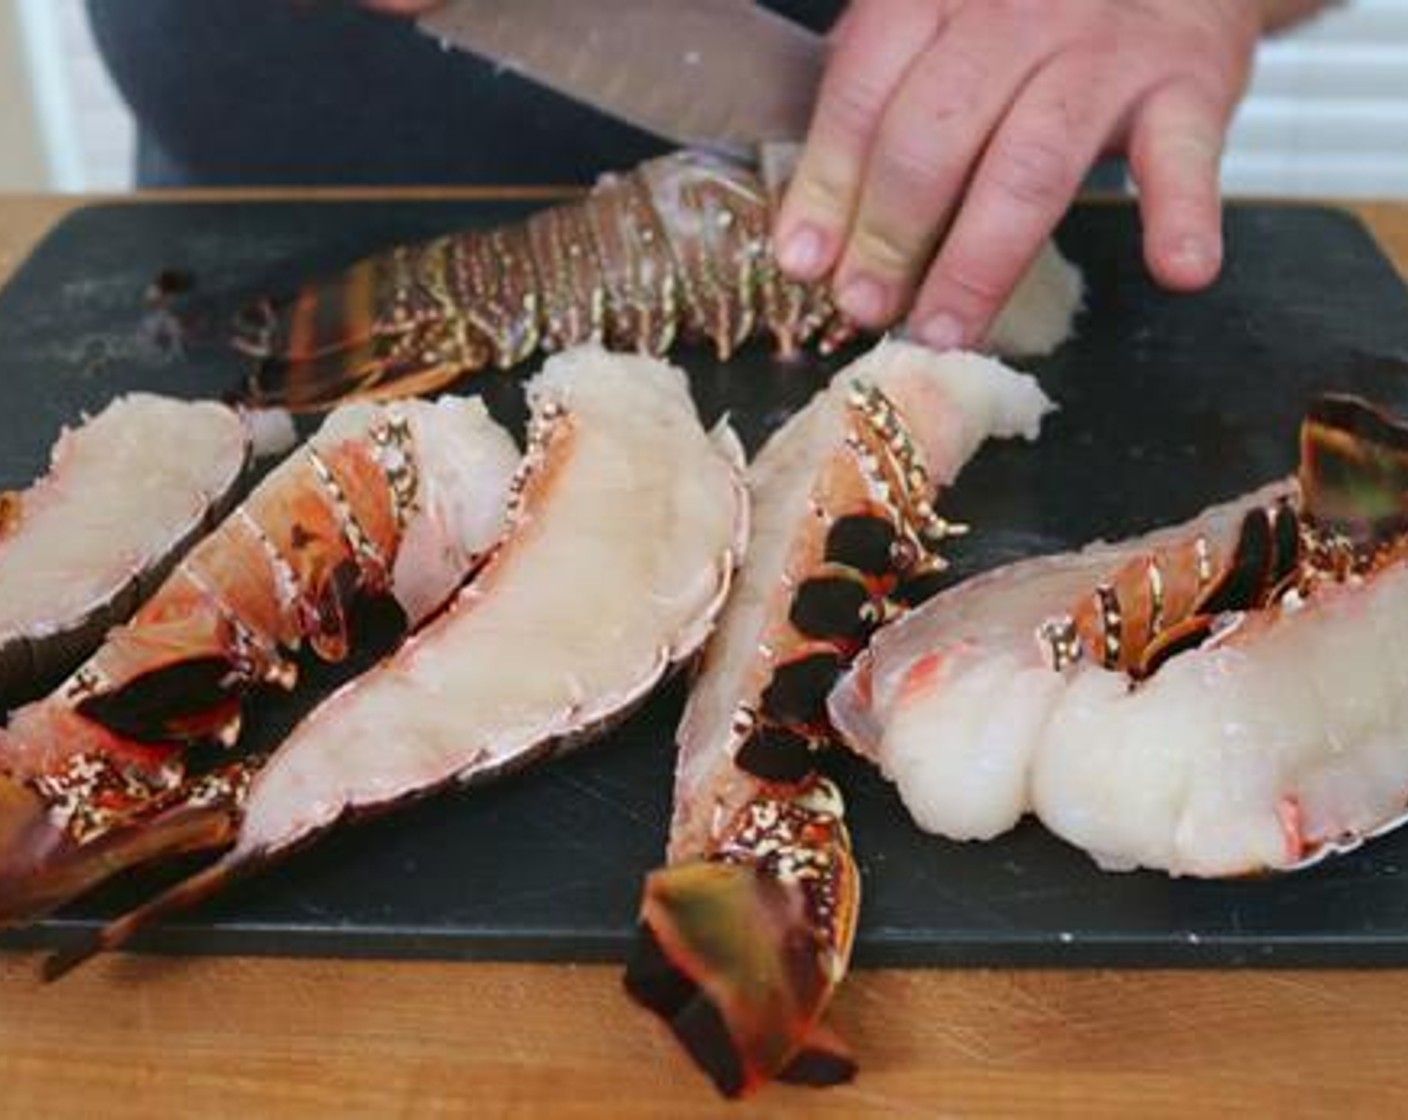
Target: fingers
(1175,154)
(1026,179)
(928,140)
(874,48)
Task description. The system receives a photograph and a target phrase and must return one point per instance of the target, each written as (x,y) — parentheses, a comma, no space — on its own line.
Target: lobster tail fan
(741,953)
(185,894)
(387,327)
(1354,470)
(728,960)
(42,866)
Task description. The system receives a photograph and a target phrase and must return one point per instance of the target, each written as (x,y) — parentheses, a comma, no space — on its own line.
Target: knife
(721,74)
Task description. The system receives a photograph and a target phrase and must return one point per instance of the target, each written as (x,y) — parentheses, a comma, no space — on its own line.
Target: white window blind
(1328,109)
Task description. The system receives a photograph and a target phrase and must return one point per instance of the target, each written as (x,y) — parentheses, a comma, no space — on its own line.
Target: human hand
(973,123)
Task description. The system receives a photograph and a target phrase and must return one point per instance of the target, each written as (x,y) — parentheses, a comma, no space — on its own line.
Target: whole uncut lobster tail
(747,933)
(136,756)
(678,248)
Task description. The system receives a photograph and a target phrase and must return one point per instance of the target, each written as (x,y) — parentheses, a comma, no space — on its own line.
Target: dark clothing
(249,92)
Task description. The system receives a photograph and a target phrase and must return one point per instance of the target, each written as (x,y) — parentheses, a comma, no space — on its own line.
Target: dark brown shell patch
(776,754)
(833,607)
(797,694)
(862,542)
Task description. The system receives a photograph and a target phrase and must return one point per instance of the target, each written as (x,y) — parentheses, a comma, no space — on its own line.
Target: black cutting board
(1167,404)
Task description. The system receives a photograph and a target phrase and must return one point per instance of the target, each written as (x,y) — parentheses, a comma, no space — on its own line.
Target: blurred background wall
(23,163)
(1328,113)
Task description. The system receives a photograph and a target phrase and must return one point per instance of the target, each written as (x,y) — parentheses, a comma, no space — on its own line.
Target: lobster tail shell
(677,248)
(477,692)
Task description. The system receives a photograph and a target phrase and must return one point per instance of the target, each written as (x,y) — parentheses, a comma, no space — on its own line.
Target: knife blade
(725,74)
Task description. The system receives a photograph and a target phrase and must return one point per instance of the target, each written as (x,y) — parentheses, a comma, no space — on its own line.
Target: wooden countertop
(135,1036)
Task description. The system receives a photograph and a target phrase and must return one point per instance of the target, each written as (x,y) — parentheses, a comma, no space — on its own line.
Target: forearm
(1276,15)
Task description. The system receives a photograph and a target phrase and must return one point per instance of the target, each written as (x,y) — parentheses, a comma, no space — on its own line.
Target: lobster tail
(677,248)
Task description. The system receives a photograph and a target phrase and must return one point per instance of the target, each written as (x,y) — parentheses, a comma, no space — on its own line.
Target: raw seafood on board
(134,756)
(1222,697)
(746,934)
(127,492)
(676,248)
(627,522)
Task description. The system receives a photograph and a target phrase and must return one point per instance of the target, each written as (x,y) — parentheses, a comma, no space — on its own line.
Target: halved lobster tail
(748,932)
(741,953)
(601,425)
(137,755)
(677,248)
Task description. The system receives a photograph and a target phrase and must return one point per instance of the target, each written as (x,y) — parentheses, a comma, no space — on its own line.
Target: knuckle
(914,166)
(851,109)
(1032,171)
(949,85)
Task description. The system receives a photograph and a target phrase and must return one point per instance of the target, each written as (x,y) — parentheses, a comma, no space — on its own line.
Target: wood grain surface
(133,1036)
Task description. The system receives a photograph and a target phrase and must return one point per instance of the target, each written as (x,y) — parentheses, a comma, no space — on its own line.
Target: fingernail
(865,300)
(941,332)
(803,252)
(1193,255)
